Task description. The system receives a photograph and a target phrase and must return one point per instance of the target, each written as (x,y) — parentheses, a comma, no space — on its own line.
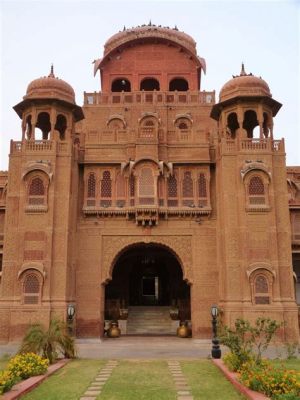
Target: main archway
(147,289)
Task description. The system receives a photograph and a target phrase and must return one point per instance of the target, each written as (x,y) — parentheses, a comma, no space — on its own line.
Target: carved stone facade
(150,174)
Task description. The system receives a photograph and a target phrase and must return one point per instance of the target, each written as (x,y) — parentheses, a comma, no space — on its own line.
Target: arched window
(31,289)
(91,190)
(187,189)
(121,85)
(256,191)
(261,290)
(172,191)
(120,191)
(106,190)
(146,186)
(36,192)
(179,84)
(202,190)
(147,128)
(149,84)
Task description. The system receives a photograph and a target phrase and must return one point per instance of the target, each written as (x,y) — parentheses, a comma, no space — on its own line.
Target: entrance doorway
(147,276)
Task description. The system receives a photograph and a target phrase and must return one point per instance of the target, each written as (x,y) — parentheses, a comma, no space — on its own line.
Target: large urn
(183,330)
(113,330)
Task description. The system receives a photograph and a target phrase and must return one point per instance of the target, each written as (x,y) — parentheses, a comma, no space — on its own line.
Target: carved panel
(181,246)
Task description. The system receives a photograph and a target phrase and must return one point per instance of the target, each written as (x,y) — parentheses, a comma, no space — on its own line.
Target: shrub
(7,380)
(244,338)
(272,381)
(234,362)
(24,366)
(49,342)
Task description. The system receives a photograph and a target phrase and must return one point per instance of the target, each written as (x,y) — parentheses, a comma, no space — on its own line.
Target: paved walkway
(95,388)
(145,347)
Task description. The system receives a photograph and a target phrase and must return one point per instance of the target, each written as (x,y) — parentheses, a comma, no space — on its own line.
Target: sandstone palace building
(152,199)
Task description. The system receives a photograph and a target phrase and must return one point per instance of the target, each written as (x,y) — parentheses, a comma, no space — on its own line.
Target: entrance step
(150,320)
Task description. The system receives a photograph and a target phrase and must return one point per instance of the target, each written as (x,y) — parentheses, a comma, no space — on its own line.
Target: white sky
(71,34)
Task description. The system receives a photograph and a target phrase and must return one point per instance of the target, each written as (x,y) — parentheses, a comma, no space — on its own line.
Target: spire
(243,73)
(51,75)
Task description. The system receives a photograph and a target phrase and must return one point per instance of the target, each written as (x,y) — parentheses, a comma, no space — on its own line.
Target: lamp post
(70,315)
(215,351)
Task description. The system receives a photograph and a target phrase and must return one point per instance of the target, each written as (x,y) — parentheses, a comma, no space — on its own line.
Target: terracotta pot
(113,331)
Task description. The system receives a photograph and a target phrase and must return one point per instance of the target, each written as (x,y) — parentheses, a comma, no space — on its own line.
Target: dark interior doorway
(147,275)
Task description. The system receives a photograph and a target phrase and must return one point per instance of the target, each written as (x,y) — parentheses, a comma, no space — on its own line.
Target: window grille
(187,189)
(172,191)
(261,290)
(256,191)
(31,289)
(161,191)
(120,191)
(146,187)
(106,190)
(132,189)
(91,185)
(202,190)
(36,193)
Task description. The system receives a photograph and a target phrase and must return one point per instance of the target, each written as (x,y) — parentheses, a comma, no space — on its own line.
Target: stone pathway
(181,386)
(96,386)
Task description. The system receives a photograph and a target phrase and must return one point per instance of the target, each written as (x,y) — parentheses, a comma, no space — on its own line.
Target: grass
(3,361)
(207,382)
(140,380)
(293,363)
(135,380)
(69,383)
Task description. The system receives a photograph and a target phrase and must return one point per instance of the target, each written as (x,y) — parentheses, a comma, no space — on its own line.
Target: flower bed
(22,366)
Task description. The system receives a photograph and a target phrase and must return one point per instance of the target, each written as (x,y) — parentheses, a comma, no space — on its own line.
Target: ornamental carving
(113,246)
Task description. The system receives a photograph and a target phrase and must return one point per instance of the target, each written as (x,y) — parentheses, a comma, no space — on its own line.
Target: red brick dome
(50,87)
(244,85)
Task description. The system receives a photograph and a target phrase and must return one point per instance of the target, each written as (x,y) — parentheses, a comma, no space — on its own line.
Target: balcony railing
(250,145)
(40,146)
(149,97)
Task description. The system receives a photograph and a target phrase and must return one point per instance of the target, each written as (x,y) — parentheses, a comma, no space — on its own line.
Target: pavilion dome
(50,87)
(244,85)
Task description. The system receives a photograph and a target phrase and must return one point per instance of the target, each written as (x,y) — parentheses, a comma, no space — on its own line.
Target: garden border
(29,384)
(232,377)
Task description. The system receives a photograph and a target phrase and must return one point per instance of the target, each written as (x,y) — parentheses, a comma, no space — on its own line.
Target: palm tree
(49,342)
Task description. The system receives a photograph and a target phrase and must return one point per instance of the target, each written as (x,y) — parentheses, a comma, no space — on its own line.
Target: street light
(215,351)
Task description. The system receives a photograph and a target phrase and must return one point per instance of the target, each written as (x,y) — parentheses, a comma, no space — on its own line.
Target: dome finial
(243,72)
(51,75)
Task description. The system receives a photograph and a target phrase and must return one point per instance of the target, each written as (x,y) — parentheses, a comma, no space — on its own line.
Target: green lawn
(207,382)
(293,363)
(69,383)
(140,380)
(135,380)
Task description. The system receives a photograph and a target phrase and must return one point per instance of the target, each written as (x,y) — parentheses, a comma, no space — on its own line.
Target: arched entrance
(147,289)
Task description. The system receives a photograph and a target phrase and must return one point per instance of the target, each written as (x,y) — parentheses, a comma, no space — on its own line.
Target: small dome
(50,87)
(244,85)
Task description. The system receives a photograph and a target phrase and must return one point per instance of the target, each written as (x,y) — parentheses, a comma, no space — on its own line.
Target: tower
(36,276)
(254,239)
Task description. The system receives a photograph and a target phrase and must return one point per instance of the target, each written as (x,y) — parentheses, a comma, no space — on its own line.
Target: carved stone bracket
(114,246)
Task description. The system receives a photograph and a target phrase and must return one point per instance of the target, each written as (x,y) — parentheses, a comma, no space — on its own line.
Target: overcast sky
(71,34)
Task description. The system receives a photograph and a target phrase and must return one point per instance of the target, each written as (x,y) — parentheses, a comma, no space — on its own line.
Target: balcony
(116,98)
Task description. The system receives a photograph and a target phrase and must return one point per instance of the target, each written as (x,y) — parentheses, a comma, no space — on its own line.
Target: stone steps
(152,320)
